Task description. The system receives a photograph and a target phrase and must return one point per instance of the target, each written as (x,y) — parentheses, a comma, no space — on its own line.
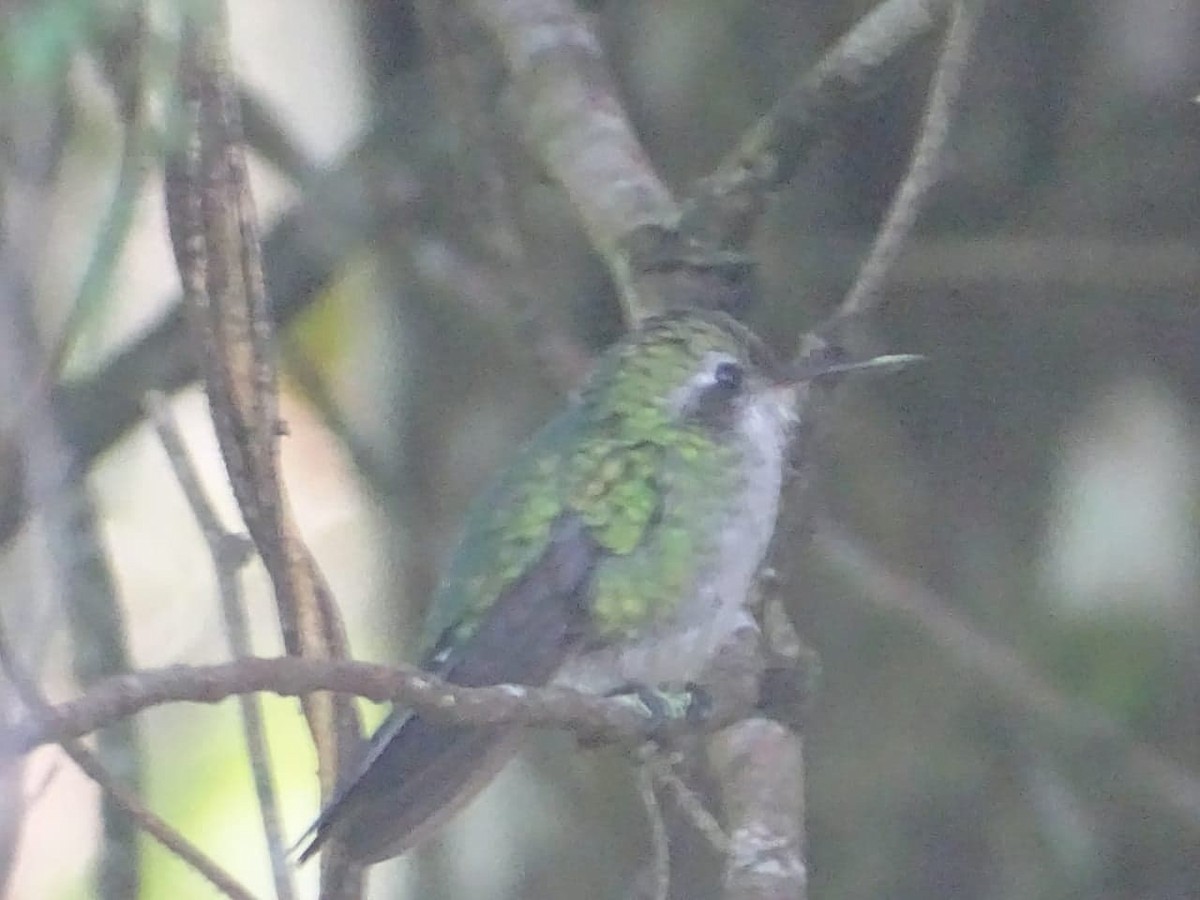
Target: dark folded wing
(417,771)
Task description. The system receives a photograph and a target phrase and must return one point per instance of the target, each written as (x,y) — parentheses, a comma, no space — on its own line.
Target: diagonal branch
(726,205)
(576,123)
(925,165)
(114,790)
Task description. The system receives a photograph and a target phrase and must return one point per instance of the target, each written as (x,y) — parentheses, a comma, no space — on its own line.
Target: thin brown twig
(229,552)
(148,821)
(214,232)
(205,188)
(122,696)
(925,165)
(726,205)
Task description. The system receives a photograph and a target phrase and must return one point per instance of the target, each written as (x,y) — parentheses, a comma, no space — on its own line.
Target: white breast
(678,650)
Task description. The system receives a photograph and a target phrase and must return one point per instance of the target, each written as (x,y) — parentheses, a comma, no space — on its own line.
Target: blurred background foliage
(1039,473)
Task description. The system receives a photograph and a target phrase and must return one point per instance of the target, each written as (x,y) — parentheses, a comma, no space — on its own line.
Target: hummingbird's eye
(712,392)
(729,375)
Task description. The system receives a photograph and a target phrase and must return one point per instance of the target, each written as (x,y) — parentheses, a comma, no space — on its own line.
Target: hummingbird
(620,548)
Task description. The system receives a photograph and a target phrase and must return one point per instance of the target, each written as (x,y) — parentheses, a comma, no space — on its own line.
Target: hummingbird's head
(703,370)
(697,370)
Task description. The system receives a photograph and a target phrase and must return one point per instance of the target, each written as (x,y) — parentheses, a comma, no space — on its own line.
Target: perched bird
(619,549)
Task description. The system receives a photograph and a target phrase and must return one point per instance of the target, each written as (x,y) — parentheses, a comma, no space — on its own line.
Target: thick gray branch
(577,124)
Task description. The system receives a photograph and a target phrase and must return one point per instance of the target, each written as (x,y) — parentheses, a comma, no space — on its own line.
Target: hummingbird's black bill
(811,370)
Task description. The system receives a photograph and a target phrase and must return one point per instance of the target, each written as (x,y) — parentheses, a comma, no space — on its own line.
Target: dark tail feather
(423,774)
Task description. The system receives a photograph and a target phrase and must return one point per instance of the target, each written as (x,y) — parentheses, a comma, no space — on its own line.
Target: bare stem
(125,695)
(229,552)
(726,205)
(924,167)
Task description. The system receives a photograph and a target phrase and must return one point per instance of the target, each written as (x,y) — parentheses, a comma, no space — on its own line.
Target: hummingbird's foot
(667,710)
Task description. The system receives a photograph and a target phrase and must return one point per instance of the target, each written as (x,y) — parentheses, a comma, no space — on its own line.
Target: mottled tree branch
(759,767)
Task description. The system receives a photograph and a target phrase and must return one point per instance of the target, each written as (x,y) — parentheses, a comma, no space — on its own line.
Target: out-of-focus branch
(229,552)
(577,124)
(301,253)
(491,248)
(116,792)
(726,205)
(97,630)
(340,208)
(1170,784)
(126,695)
(133,98)
(95,615)
(52,478)
(33,133)
(1010,266)
(925,165)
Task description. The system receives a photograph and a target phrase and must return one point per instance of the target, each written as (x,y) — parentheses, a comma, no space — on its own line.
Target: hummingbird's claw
(667,710)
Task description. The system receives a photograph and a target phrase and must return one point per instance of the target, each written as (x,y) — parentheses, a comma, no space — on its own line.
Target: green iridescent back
(620,460)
